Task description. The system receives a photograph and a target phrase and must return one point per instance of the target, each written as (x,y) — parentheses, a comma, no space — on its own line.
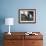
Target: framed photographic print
(27,15)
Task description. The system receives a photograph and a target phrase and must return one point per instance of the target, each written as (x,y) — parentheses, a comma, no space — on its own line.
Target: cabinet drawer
(16,37)
(13,43)
(9,43)
(33,37)
(33,43)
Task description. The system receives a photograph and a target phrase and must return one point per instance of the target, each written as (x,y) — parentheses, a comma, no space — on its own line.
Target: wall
(9,8)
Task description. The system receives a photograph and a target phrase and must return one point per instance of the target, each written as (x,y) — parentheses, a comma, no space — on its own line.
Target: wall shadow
(2,21)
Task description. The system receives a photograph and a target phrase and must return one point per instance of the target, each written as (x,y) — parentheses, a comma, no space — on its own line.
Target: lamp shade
(9,21)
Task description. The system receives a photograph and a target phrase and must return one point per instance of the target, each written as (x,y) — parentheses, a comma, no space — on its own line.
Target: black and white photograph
(27,15)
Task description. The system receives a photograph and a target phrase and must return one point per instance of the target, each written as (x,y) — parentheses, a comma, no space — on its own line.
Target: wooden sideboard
(20,39)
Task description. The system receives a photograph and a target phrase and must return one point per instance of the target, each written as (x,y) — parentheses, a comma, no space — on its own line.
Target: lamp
(9,21)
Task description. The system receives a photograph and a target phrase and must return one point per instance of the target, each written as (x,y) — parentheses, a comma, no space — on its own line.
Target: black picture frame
(27,15)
